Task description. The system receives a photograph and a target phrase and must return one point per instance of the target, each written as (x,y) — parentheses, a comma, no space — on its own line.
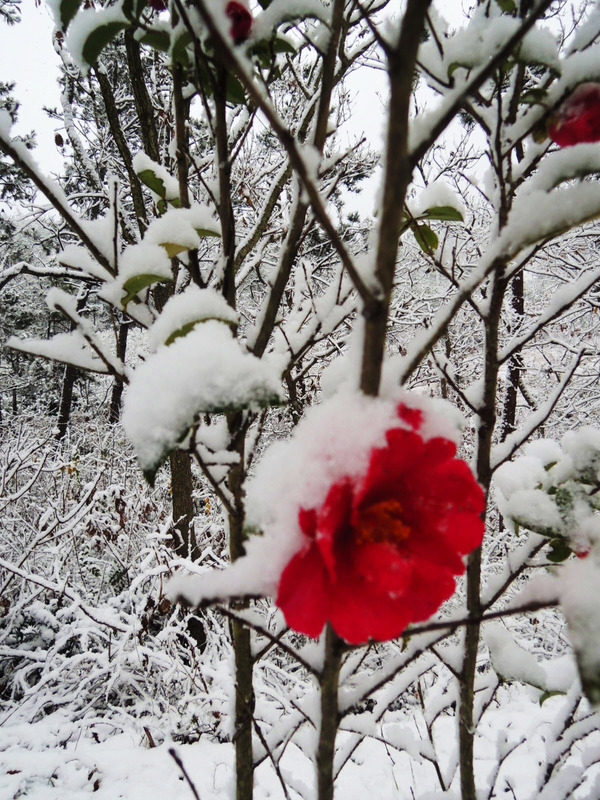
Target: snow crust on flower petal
(332,443)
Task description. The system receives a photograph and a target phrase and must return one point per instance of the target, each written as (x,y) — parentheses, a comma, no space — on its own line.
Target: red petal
(412,416)
(359,612)
(241,21)
(333,522)
(463,531)
(430,586)
(307,519)
(389,466)
(382,565)
(304,592)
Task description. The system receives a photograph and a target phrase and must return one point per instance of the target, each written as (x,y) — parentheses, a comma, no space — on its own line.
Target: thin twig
(179,762)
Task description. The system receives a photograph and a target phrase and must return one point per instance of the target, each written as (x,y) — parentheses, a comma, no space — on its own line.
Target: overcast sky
(27,57)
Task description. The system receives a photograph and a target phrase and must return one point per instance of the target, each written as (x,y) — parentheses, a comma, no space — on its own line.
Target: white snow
(206,370)
(192,306)
(178,229)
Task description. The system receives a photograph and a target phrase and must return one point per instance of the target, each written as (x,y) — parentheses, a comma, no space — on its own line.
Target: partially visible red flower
(577,119)
(241,21)
(158,5)
(382,552)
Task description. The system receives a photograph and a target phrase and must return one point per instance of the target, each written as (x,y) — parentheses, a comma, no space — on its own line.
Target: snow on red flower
(241,21)
(383,549)
(577,119)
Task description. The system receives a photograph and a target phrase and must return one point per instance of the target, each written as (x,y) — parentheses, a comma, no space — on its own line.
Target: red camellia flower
(382,551)
(241,21)
(577,119)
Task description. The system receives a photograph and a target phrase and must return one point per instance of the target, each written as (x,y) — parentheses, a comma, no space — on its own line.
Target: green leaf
(425,238)
(207,232)
(133,9)
(189,326)
(281,45)
(534,97)
(67,10)
(265,3)
(99,38)
(508,6)
(235,91)
(258,398)
(158,40)
(457,65)
(137,283)
(150,179)
(443,213)
(179,49)
(547,695)
(173,249)
(559,551)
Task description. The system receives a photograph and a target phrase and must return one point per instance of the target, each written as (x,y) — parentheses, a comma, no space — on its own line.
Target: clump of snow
(509,660)
(552,489)
(437,194)
(580,601)
(185,310)
(180,227)
(68,348)
(204,371)
(332,442)
(80,258)
(144,258)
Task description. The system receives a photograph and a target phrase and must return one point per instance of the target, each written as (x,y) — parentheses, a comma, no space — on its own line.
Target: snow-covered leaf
(138,283)
(205,371)
(66,11)
(580,601)
(443,213)
(99,37)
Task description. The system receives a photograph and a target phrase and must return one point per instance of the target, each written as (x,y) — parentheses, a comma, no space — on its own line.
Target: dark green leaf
(235,91)
(158,40)
(559,550)
(179,51)
(425,238)
(443,213)
(99,38)
(281,45)
(67,10)
(534,97)
(137,283)
(265,3)
(133,8)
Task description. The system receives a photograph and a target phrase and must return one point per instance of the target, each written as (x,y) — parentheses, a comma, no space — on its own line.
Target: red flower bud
(241,21)
(577,119)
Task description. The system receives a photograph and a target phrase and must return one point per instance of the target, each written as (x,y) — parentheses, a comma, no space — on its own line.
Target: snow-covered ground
(57,759)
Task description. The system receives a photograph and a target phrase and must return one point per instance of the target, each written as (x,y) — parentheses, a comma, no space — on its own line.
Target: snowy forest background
(204,204)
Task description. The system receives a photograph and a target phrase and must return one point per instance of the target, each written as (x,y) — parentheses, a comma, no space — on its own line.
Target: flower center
(382,522)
